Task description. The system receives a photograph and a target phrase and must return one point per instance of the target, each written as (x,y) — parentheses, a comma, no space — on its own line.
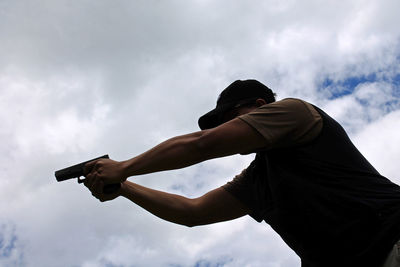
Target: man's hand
(101,173)
(107,170)
(96,186)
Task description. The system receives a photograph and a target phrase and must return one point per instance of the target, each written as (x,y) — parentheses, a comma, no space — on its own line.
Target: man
(307,181)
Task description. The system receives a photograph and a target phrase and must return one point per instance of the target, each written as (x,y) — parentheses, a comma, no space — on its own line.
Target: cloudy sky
(79,79)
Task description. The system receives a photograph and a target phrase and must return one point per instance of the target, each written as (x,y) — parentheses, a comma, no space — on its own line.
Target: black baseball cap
(238,92)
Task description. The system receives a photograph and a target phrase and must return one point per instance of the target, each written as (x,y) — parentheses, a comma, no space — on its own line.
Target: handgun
(77,171)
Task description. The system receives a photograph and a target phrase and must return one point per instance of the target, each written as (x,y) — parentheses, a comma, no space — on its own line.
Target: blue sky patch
(336,89)
(396,82)
(7,243)
(205,263)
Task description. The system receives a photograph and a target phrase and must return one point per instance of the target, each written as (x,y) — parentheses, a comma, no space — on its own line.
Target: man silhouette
(308,181)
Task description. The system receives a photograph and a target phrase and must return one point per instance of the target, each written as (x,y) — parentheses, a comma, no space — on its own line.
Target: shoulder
(291,109)
(289,105)
(285,122)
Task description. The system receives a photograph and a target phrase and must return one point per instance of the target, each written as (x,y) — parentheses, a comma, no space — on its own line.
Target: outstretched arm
(215,206)
(227,139)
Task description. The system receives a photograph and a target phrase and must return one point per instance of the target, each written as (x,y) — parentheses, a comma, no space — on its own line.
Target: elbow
(192,217)
(189,224)
(191,221)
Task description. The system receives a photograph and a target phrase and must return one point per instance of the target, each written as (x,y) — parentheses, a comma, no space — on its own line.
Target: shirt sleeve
(250,188)
(285,123)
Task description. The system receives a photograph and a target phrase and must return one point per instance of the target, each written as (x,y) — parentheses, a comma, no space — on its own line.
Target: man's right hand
(107,170)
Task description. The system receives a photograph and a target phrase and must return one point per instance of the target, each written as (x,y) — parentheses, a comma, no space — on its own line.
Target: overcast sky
(79,79)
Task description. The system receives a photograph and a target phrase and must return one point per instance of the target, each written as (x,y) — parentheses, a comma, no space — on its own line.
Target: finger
(92,178)
(89,167)
(98,186)
(87,179)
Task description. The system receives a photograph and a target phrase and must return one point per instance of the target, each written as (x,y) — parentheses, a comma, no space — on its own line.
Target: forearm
(230,138)
(170,207)
(175,153)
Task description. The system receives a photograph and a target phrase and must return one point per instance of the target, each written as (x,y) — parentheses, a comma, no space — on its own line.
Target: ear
(260,102)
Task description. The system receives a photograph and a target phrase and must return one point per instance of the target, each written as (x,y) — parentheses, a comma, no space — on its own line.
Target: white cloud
(380,143)
(81,79)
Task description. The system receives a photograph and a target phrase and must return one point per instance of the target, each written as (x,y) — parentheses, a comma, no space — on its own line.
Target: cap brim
(213,118)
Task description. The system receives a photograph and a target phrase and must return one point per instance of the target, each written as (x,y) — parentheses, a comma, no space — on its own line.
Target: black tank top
(326,201)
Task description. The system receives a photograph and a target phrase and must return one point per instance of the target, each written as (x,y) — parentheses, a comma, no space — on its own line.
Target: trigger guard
(80,180)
